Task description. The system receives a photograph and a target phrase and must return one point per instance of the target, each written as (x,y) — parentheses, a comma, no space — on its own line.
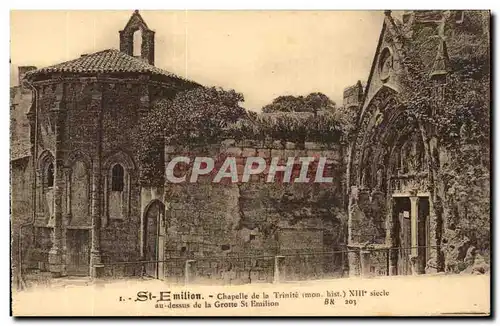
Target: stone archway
(154,239)
(390,203)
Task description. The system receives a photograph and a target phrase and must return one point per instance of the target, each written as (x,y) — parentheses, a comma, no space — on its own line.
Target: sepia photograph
(250,163)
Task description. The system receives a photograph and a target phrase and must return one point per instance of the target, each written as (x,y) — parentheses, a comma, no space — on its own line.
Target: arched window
(119,168)
(117,176)
(45,181)
(50,175)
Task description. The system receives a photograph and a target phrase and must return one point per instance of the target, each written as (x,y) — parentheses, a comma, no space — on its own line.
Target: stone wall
(96,123)
(368,218)
(20,207)
(219,224)
(21,173)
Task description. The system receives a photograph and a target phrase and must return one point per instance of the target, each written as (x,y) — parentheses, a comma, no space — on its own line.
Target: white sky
(262,54)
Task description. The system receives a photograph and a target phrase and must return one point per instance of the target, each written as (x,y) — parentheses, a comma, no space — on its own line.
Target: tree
(286,103)
(197,116)
(316,102)
(313,103)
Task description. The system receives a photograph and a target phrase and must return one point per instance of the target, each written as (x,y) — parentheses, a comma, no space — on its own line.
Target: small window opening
(117,178)
(50,175)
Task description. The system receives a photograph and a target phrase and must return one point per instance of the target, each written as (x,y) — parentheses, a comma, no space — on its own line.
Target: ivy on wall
(457,107)
(293,127)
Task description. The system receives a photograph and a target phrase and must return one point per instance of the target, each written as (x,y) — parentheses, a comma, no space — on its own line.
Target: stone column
(66,217)
(353,258)
(391,235)
(364,256)
(432,259)
(56,262)
(55,253)
(189,271)
(68,172)
(414,233)
(278,262)
(95,250)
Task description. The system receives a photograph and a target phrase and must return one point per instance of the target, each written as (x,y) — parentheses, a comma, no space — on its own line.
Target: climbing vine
(455,112)
(295,127)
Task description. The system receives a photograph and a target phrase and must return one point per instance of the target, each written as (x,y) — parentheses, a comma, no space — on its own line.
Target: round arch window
(50,175)
(117,175)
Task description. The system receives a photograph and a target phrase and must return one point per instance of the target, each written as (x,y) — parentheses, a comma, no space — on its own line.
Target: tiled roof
(107,61)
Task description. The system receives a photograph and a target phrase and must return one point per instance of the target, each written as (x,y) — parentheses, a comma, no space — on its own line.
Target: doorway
(403,235)
(154,239)
(78,246)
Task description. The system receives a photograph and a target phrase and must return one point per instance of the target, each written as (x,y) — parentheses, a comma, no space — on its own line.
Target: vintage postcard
(250,163)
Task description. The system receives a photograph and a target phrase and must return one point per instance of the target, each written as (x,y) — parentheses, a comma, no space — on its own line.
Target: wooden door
(404,265)
(78,244)
(152,247)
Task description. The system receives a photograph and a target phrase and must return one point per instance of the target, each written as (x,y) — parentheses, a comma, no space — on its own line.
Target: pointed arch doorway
(154,239)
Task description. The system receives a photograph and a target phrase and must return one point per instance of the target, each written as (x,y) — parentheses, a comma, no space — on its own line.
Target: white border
(181,5)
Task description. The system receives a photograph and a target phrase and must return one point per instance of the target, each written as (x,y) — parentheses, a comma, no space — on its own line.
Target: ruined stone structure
(395,205)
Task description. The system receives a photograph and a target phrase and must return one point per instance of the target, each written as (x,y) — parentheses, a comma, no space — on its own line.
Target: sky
(261,54)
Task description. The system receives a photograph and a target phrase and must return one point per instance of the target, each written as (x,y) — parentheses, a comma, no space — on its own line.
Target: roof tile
(107,61)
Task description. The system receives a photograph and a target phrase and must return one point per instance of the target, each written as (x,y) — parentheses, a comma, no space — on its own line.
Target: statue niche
(409,172)
(412,155)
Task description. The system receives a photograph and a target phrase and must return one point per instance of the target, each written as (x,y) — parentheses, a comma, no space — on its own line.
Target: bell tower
(147,48)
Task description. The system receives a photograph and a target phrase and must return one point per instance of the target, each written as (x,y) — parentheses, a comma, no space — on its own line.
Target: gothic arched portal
(389,196)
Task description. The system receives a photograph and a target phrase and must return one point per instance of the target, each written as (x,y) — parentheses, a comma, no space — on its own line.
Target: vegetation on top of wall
(210,115)
(312,103)
(196,116)
(314,118)
(298,128)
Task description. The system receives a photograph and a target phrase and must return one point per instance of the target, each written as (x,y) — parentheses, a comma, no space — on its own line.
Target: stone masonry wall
(217,224)
(87,131)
